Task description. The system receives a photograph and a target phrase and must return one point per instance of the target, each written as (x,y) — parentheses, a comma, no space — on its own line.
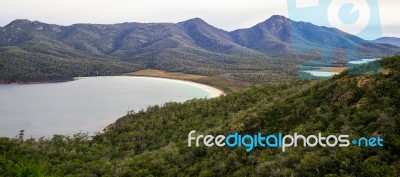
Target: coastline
(192,90)
(35,82)
(217,81)
(213,92)
(221,83)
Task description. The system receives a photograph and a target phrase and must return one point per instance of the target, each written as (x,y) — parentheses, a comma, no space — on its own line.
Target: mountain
(53,52)
(125,41)
(212,39)
(388,40)
(280,35)
(154,142)
(271,36)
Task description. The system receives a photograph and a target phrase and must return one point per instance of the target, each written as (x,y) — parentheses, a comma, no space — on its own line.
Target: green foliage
(153,142)
(37,52)
(20,66)
(392,63)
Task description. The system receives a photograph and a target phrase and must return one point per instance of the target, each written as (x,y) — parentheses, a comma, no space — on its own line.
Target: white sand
(214,92)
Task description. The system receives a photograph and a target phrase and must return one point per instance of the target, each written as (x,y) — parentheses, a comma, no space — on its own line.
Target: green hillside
(153,142)
(266,52)
(19,66)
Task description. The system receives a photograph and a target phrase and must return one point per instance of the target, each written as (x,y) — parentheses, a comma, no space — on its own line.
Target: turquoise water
(321,73)
(87,105)
(362,61)
(330,74)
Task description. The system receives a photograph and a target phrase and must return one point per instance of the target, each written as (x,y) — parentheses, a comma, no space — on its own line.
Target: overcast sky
(224,14)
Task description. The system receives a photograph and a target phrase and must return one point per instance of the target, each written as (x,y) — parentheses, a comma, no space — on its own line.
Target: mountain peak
(20,22)
(276,22)
(277,19)
(194,21)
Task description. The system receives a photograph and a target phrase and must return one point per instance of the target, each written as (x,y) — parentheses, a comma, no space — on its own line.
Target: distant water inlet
(87,104)
(329,71)
(362,61)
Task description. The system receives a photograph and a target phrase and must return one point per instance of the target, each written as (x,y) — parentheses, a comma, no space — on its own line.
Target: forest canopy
(153,142)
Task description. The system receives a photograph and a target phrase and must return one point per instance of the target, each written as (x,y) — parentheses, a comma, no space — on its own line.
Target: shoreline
(193,90)
(217,81)
(36,82)
(213,91)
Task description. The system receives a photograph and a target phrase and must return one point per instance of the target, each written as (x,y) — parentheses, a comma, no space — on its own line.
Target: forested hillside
(19,66)
(153,142)
(35,51)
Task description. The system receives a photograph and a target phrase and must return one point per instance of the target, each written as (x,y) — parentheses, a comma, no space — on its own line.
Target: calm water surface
(321,73)
(362,61)
(330,74)
(87,105)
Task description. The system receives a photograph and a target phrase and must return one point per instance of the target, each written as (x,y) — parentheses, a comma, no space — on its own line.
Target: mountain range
(388,40)
(56,52)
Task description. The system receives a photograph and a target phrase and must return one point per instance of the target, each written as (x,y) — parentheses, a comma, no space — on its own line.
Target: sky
(225,14)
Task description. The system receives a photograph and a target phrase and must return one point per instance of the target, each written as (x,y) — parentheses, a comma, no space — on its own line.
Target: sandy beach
(214,92)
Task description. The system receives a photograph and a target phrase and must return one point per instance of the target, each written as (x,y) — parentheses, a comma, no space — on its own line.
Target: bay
(87,104)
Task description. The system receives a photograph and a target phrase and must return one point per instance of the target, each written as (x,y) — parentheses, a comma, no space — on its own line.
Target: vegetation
(153,142)
(170,75)
(35,51)
(18,66)
(224,82)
